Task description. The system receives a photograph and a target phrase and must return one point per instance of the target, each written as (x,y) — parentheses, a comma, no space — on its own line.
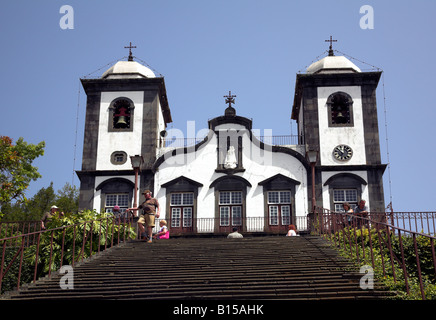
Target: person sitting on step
(163,232)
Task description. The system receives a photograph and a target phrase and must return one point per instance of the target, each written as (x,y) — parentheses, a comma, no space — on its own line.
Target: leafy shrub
(386,267)
(62,244)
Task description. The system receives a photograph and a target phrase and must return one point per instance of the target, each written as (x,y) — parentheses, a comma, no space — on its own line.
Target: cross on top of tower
(331,47)
(130,47)
(230,98)
(230,111)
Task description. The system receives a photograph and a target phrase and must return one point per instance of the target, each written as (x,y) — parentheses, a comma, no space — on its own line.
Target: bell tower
(127,112)
(336,112)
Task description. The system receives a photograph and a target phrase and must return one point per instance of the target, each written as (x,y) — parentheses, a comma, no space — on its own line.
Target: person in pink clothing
(163,232)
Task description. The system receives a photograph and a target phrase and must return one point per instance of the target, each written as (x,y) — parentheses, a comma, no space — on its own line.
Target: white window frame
(182,209)
(277,201)
(175,217)
(120,199)
(346,197)
(187,216)
(230,208)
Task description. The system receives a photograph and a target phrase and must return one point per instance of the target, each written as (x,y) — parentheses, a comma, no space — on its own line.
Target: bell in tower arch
(340,118)
(121,115)
(121,122)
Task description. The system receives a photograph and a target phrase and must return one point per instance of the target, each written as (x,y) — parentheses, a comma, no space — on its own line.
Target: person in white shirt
(235,234)
(292,231)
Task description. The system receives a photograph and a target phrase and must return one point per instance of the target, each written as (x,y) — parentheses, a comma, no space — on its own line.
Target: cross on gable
(230,98)
(130,47)
(331,45)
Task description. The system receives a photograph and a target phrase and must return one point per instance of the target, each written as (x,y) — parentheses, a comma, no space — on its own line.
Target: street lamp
(312,157)
(136,160)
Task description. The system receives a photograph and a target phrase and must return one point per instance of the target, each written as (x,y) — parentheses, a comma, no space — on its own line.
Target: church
(233,177)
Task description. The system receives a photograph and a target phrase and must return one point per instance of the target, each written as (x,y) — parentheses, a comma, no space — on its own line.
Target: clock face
(342,152)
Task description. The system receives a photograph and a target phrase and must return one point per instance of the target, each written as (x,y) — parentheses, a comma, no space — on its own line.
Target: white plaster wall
(97,201)
(199,166)
(330,137)
(325,189)
(129,142)
(259,165)
(263,164)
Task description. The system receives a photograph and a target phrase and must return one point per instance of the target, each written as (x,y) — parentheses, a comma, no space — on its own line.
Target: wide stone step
(299,285)
(211,268)
(209,293)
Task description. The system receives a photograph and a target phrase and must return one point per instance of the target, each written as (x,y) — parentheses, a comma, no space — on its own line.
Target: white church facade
(231,178)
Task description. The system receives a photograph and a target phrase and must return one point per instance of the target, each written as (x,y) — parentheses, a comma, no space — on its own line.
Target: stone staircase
(211,268)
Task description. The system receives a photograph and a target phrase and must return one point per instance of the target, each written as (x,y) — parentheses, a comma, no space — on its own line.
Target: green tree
(14,211)
(30,209)
(67,198)
(40,203)
(16,170)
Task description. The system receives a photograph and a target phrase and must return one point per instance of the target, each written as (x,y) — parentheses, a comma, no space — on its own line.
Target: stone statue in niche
(230,161)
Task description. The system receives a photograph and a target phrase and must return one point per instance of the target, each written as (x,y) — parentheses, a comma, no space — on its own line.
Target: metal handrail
(86,238)
(328,224)
(259,224)
(24,240)
(279,140)
(324,222)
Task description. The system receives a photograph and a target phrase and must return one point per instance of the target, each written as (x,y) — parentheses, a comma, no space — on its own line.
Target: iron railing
(280,140)
(76,241)
(423,222)
(84,239)
(14,228)
(248,225)
(386,232)
(361,236)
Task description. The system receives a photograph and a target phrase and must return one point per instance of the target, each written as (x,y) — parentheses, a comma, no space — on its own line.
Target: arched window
(181,208)
(121,115)
(230,203)
(345,187)
(279,201)
(116,192)
(340,110)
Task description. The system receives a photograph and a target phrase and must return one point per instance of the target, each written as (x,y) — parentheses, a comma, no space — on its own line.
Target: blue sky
(206,48)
